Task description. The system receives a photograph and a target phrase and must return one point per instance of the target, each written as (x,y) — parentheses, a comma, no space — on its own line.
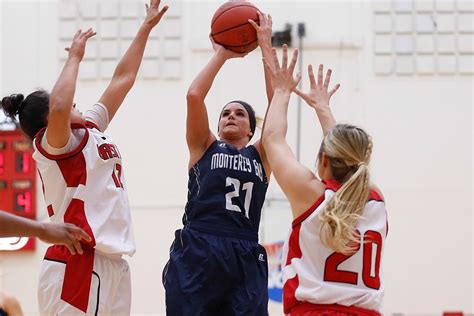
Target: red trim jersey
(86,187)
(314,273)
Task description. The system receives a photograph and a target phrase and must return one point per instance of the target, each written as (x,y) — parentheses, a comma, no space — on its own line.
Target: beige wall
(421,125)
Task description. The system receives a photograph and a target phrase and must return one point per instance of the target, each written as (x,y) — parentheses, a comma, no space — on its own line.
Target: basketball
(231,29)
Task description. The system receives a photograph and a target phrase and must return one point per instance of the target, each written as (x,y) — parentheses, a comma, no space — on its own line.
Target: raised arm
(297,182)
(198,134)
(62,234)
(62,95)
(318,97)
(264,37)
(126,71)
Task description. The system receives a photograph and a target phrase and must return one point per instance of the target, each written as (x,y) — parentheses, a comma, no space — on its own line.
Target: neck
(238,143)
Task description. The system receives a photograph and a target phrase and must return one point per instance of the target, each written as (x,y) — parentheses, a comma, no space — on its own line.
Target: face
(76,115)
(234,122)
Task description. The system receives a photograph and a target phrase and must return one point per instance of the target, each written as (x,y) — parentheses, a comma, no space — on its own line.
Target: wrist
(40,230)
(220,55)
(265,46)
(73,59)
(146,27)
(319,106)
(282,90)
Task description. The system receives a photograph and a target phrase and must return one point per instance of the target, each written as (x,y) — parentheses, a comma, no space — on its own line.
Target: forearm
(11,225)
(62,95)
(326,118)
(201,85)
(129,64)
(266,49)
(276,122)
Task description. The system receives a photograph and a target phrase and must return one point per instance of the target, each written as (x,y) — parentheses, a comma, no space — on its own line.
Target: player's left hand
(318,95)
(264,28)
(153,13)
(225,53)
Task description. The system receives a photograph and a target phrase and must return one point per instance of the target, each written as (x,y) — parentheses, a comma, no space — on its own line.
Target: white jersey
(315,274)
(86,187)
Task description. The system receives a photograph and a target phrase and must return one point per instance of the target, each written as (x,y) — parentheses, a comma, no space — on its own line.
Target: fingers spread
(252,22)
(334,90)
(312,80)
(320,75)
(284,61)
(328,78)
(70,248)
(294,60)
(276,62)
(77,246)
(297,78)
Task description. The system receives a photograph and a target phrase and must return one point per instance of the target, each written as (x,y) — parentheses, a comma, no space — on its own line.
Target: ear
(325,160)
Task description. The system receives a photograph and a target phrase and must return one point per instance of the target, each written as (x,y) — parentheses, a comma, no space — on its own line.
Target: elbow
(59,106)
(194,96)
(267,137)
(127,81)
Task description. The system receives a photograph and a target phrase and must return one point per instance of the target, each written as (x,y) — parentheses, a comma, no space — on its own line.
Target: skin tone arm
(198,135)
(126,72)
(10,305)
(62,95)
(298,182)
(318,97)
(60,234)
(264,37)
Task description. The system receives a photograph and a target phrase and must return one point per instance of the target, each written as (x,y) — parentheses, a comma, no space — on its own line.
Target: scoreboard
(17,184)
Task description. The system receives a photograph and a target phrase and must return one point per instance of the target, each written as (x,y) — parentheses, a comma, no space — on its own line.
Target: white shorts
(110,290)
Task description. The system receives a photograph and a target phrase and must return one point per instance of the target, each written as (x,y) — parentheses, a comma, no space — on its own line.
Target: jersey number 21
(247,187)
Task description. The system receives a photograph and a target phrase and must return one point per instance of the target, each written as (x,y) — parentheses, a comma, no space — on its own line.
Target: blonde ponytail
(348,149)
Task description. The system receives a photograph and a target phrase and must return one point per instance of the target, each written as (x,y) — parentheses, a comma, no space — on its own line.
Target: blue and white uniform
(216,265)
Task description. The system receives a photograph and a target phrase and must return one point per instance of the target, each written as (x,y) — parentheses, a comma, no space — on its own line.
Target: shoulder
(375,193)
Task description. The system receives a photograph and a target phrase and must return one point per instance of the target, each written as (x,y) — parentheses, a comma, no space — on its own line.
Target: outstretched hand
(318,95)
(225,53)
(264,28)
(282,75)
(153,13)
(66,234)
(78,45)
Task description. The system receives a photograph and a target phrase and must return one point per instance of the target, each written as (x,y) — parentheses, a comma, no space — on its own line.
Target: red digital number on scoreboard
(17,184)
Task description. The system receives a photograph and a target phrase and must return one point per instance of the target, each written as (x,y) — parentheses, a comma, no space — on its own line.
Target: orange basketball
(231,29)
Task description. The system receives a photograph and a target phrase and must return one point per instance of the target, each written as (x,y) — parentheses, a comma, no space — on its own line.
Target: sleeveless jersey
(86,187)
(314,273)
(226,191)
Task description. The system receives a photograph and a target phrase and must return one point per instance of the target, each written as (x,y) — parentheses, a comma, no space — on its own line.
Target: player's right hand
(65,234)
(78,45)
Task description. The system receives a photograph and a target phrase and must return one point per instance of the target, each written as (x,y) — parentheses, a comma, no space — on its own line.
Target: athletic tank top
(226,191)
(316,274)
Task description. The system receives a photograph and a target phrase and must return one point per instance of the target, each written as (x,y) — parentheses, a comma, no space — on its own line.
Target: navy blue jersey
(226,190)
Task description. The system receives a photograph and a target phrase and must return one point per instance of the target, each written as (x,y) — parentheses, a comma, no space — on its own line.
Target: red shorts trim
(308,309)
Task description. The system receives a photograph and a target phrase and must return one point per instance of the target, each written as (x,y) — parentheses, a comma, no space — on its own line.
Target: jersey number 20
(333,274)
(247,187)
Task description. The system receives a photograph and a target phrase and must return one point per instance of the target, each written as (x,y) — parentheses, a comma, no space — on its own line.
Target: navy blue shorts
(209,274)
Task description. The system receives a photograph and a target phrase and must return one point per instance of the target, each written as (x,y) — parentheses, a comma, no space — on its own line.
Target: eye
(225,113)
